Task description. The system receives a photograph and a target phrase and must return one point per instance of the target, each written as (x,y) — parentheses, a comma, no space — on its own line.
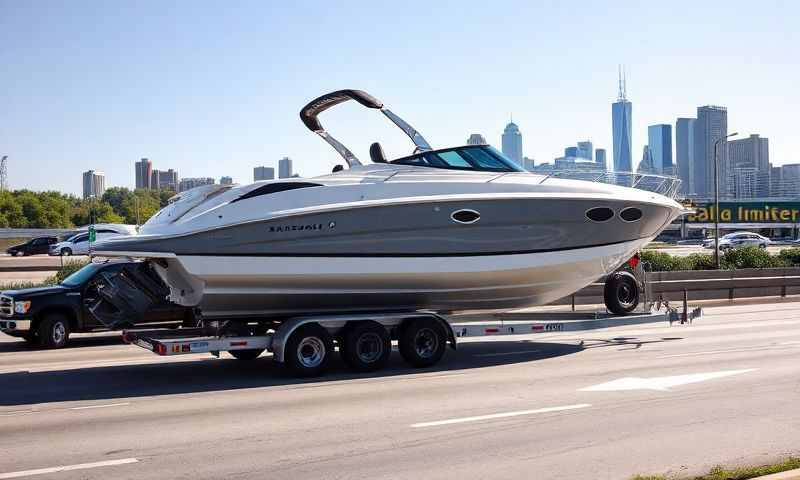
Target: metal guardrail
(705,285)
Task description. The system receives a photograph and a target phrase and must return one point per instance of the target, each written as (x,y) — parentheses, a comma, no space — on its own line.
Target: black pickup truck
(46,316)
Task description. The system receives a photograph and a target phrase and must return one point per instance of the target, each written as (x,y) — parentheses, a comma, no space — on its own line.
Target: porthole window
(465,216)
(630,214)
(600,214)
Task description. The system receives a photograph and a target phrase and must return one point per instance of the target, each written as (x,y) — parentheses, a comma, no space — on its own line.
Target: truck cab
(46,316)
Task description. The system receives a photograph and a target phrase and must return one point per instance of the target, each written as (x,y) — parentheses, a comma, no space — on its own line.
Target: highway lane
(600,404)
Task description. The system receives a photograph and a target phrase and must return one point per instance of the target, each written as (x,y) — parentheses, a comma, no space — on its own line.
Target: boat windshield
(480,158)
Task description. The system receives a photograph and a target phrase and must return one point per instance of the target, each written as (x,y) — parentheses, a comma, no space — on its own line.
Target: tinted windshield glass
(482,158)
(83,275)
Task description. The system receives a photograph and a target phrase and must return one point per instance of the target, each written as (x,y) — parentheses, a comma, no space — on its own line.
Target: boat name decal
(295,228)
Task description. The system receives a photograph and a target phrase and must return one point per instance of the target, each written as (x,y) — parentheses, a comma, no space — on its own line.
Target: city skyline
(87,104)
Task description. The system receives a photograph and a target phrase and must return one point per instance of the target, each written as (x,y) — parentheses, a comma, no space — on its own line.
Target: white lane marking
(660,383)
(87,407)
(729,350)
(499,415)
(518,352)
(793,342)
(17,412)
(66,468)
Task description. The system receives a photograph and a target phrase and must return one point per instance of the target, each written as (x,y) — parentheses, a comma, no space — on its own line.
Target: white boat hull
(226,286)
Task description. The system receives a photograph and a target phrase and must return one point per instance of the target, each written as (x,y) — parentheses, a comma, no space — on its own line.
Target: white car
(739,239)
(78,244)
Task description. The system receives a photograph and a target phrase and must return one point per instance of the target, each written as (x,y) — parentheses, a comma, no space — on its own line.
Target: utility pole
(716,198)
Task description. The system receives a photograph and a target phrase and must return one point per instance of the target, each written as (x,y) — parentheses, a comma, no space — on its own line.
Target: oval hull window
(630,214)
(599,214)
(465,216)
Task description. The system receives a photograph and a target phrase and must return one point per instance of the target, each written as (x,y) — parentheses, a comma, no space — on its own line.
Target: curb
(787,475)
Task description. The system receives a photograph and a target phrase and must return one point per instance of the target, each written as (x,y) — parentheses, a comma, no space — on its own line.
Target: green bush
(750,257)
(65,271)
(745,257)
(791,256)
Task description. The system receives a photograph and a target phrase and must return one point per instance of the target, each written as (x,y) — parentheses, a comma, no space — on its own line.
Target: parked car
(46,316)
(34,246)
(739,239)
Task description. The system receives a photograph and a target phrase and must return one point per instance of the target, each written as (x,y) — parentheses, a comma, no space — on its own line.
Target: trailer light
(239,344)
(160,349)
(634,261)
(185,348)
(492,330)
(22,307)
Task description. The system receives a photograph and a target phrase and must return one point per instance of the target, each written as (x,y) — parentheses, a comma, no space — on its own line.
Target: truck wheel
(66,252)
(54,331)
(366,347)
(621,293)
(308,350)
(422,342)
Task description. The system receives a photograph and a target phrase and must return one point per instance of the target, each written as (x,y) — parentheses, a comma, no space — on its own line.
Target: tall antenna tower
(3,173)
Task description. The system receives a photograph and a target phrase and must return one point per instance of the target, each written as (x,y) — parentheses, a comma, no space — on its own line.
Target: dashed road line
(500,415)
(67,468)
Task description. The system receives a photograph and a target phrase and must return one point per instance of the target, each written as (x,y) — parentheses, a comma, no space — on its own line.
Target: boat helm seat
(376,153)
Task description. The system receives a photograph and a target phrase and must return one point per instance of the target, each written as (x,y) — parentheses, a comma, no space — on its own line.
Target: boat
(458,228)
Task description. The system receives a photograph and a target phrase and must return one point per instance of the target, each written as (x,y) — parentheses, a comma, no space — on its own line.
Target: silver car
(739,239)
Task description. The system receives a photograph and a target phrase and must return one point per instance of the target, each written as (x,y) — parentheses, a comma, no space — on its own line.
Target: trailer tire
(366,346)
(53,331)
(422,342)
(621,293)
(308,350)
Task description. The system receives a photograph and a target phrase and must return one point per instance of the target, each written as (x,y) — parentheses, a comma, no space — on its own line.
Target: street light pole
(716,198)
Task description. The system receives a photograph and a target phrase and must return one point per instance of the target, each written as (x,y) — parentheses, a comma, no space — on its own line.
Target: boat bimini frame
(310,112)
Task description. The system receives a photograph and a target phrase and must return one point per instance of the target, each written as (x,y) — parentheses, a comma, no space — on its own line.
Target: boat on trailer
(457,228)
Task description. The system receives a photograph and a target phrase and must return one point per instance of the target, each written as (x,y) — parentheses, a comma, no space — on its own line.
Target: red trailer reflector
(239,344)
(634,261)
(492,330)
(537,328)
(160,349)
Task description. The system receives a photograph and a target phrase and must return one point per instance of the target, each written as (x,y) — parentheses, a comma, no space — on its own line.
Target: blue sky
(214,88)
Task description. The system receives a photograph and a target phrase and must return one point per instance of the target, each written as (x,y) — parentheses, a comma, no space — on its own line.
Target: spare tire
(621,293)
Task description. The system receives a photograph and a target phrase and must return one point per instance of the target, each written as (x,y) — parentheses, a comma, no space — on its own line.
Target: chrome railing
(661,184)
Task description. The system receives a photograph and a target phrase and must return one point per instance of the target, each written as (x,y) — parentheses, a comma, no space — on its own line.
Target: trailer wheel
(621,293)
(366,347)
(422,342)
(308,350)
(238,330)
(54,331)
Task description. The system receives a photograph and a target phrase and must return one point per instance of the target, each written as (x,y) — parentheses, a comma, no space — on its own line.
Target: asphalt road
(602,404)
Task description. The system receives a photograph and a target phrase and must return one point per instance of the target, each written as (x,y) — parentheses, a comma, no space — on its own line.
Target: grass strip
(738,473)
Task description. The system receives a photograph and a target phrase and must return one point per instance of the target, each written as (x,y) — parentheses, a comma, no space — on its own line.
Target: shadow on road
(74,342)
(211,374)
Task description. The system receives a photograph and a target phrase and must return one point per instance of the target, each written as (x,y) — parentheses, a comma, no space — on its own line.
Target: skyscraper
(164,180)
(190,183)
(711,125)
(585,149)
(263,173)
(646,165)
(226,181)
(476,139)
(94,184)
(659,141)
(684,154)
(572,152)
(752,152)
(600,158)
(512,143)
(285,167)
(144,172)
(621,116)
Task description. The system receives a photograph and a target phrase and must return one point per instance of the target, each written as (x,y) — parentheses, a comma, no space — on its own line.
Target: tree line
(28,209)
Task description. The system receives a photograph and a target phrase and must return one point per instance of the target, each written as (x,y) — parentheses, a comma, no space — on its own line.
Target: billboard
(747,212)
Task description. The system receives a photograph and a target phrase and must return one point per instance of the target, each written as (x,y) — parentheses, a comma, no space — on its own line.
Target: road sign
(92,233)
